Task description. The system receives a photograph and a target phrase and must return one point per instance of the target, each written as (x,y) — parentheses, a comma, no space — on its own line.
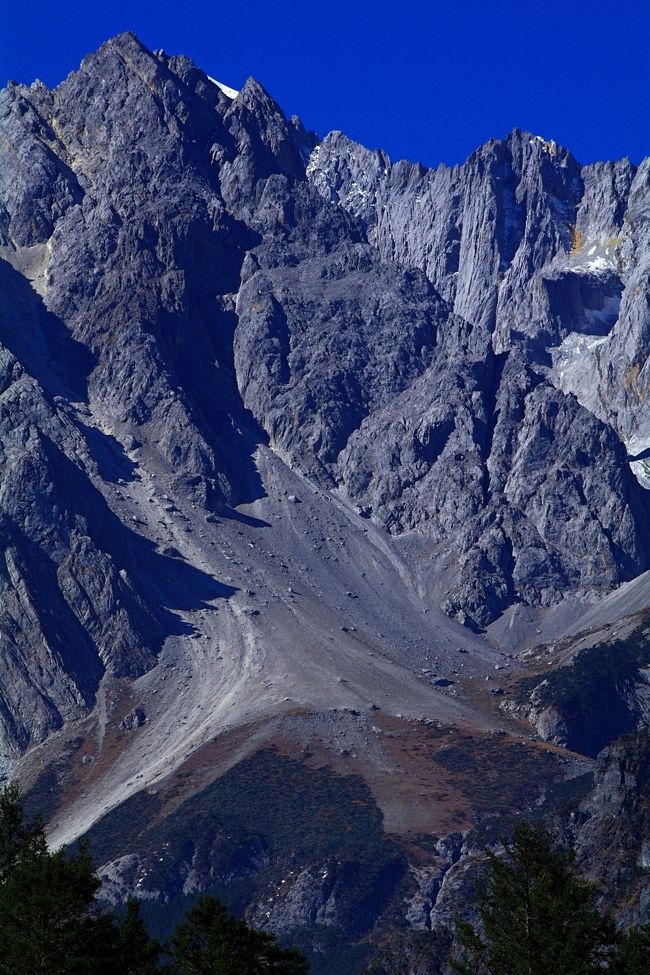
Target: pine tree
(50,921)
(211,941)
(135,952)
(633,954)
(538,916)
(19,839)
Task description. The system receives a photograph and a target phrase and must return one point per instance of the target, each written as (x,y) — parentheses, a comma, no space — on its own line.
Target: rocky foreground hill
(323,504)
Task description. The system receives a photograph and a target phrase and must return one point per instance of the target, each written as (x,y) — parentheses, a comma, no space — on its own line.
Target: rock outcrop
(461,352)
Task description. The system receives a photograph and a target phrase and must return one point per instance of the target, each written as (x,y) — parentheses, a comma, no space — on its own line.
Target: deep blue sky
(428,81)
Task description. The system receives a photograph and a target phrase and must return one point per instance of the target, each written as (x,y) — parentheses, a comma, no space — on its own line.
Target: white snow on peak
(226,89)
(548,145)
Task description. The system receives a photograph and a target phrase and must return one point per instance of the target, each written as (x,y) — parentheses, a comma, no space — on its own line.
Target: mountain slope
(302,453)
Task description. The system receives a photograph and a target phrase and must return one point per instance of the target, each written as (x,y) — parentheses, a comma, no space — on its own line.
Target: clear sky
(426,81)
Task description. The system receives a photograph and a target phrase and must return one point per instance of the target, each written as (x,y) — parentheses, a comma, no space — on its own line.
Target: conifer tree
(211,941)
(19,838)
(633,954)
(50,920)
(135,952)
(49,923)
(537,915)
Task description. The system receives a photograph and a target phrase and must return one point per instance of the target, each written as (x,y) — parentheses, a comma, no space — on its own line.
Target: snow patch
(601,257)
(318,177)
(597,264)
(314,159)
(575,368)
(573,347)
(226,89)
(548,145)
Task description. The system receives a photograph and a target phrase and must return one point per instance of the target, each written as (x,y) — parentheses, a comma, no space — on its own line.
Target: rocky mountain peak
(318,473)
(458,353)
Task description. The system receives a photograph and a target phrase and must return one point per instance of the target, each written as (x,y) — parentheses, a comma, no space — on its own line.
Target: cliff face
(548,261)
(610,827)
(277,417)
(461,351)
(120,258)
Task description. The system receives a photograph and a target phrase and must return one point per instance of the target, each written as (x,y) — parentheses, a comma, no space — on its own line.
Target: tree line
(51,922)
(538,916)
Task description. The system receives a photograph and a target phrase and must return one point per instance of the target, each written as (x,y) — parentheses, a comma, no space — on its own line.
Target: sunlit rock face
(188,277)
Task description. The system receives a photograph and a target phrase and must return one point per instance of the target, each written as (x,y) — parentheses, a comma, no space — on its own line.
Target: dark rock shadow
(164,583)
(40,340)
(109,455)
(66,636)
(197,346)
(231,514)
(643,455)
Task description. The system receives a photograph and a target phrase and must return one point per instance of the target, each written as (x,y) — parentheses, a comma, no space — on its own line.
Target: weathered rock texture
(461,351)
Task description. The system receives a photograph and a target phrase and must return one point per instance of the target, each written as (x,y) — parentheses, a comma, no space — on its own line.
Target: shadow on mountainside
(66,636)
(165,583)
(109,455)
(40,340)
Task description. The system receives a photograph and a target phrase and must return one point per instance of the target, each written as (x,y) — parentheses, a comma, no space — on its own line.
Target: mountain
(323,505)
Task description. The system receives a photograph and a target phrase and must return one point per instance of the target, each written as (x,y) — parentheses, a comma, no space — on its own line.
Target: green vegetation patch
(249,833)
(497,775)
(595,692)
(268,816)
(291,810)
(120,831)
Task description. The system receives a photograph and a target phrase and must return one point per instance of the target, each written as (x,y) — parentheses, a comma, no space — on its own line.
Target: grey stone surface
(609,828)
(458,352)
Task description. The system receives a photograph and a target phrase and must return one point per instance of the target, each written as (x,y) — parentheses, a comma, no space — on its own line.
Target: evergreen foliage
(537,915)
(136,953)
(19,839)
(633,955)
(49,921)
(211,941)
(52,924)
